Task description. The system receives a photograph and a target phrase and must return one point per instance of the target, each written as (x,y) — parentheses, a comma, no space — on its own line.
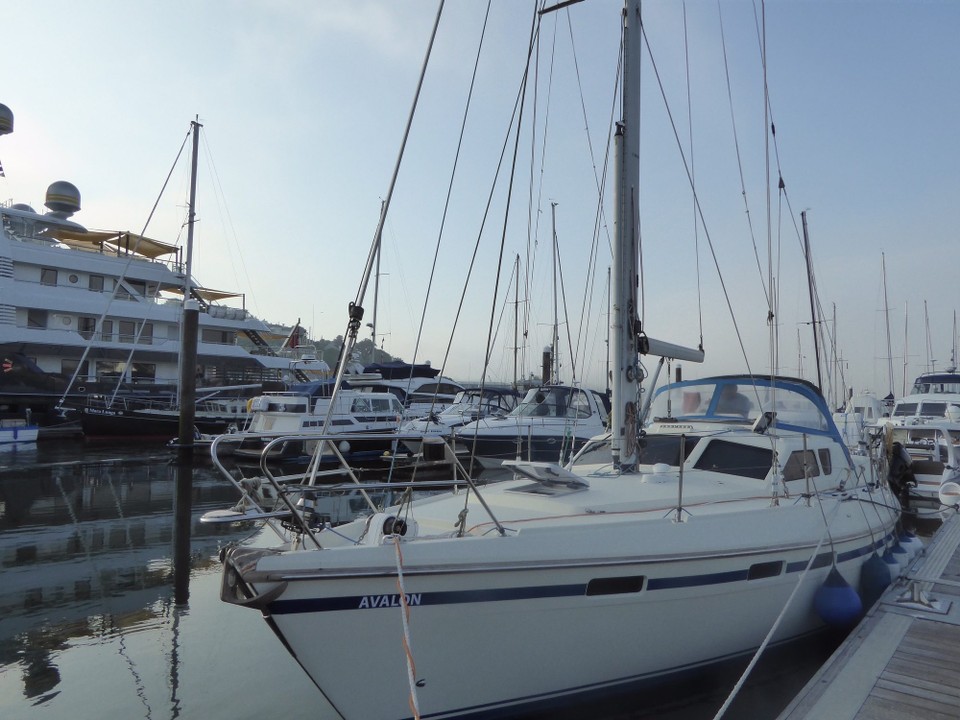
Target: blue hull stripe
(457,597)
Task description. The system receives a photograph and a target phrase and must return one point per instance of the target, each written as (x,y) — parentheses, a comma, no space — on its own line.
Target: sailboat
(735,516)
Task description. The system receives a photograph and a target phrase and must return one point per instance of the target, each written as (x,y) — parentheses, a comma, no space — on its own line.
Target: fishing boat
(725,515)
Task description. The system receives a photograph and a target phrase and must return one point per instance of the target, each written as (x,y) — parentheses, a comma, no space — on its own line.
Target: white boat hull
(486,637)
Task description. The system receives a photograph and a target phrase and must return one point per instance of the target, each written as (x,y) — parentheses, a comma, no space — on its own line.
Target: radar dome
(6,120)
(22,206)
(63,198)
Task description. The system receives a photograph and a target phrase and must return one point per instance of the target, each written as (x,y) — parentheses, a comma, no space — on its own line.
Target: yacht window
(825,461)
(218,337)
(360,405)
(139,287)
(736,459)
(146,335)
(664,449)
(96,283)
(383,405)
(141,372)
(933,409)
(48,276)
(107,369)
(86,326)
(905,409)
(793,469)
(69,367)
(36,318)
(106,331)
(128,330)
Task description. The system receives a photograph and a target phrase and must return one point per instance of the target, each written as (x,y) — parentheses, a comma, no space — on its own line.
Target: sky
(304,105)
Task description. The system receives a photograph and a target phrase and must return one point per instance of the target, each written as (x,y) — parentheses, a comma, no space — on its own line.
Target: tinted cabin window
(615,585)
(905,409)
(764,570)
(736,459)
(793,470)
(933,409)
(825,462)
(664,449)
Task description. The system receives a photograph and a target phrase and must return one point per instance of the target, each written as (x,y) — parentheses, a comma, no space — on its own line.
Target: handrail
(276,438)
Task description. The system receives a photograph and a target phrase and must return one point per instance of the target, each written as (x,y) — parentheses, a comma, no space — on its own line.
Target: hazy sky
(304,103)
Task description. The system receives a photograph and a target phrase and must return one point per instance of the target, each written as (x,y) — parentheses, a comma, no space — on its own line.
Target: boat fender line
(405,619)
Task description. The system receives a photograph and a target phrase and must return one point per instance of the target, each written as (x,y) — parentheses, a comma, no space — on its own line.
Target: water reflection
(85,549)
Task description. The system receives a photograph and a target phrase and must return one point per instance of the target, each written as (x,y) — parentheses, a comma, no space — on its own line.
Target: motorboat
(468,406)
(550,424)
(418,386)
(303,414)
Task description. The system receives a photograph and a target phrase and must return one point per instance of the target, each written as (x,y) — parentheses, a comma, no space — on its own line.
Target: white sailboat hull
(549,613)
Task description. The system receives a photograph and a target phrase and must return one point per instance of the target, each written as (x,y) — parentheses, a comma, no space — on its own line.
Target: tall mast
(554,341)
(625,324)
(516,318)
(906,320)
(185,364)
(886,317)
(813,309)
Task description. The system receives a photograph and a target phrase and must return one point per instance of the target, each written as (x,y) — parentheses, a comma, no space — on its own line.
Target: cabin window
(360,406)
(665,449)
(905,409)
(146,334)
(383,405)
(106,330)
(96,283)
(615,585)
(86,326)
(793,469)
(736,459)
(825,460)
(765,570)
(218,337)
(933,409)
(36,318)
(69,367)
(143,372)
(48,276)
(128,330)
(109,370)
(138,287)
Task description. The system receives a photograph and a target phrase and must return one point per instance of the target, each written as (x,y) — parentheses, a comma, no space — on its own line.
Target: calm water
(88,626)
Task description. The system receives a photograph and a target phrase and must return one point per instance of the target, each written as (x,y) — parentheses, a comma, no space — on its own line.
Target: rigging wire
(599,217)
(699,208)
(693,174)
(736,143)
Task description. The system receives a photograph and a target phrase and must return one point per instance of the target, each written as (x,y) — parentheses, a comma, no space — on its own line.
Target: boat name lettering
(381,601)
(677,427)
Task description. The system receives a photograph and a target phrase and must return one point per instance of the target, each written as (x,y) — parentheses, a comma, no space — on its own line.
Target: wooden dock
(903,660)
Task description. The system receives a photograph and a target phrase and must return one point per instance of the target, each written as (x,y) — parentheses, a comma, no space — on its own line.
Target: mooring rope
(405,615)
(776,623)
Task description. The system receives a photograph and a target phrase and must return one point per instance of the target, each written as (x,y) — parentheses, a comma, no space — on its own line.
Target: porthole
(73,279)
